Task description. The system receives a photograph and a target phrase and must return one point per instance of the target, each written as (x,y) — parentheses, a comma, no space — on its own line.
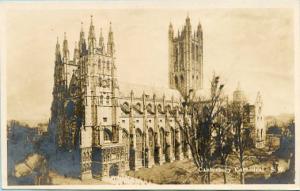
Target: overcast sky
(250,46)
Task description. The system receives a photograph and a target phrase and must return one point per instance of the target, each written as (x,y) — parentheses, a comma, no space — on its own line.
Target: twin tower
(186,59)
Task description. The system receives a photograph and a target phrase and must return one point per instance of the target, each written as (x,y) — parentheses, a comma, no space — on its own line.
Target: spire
(101,41)
(57,51)
(171,31)
(188,20)
(92,38)
(110,41)
(65,47)
(76,52)
(188,26)
(199,31)
(82,43)
(258,97)
(57,48)
(81,32)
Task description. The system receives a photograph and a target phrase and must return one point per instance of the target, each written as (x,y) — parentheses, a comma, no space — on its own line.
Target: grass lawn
(58,179)
(177,172)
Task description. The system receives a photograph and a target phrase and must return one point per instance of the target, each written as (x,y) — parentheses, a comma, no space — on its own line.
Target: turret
(188,26)
(92,38)
(110,42)
(199,31)
(171,56)
(101,42)
(65,49)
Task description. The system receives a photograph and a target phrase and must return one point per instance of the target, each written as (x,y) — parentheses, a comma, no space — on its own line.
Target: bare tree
(242,138)
(198,131)
(223,139)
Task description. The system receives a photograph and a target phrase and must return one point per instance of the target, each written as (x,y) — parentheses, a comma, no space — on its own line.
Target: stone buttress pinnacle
(65,47)
(110,41)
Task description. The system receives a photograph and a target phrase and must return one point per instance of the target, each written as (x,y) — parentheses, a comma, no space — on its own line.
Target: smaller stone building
(253,117)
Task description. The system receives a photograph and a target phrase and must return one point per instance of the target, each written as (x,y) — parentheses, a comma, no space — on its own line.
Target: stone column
(146,150)
(101,136)
(86,163)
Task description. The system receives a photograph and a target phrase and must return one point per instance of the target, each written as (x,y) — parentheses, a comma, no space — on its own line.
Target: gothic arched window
(181,80)
(107,99)
(151,141)
(101,100)
(107,66)
(193,52)
(162,140)
(176,81)
(99,64)
(139,143)
(176,59)
(125,139)
(173,139)
(107,135)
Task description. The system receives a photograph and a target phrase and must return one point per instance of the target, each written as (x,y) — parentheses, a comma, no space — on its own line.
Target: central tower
(186,59)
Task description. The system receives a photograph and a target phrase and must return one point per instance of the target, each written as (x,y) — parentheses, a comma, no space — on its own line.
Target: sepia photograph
(149,95)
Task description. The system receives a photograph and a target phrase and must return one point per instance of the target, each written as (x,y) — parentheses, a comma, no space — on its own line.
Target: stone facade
(186,59)
(113,126)
(253,117)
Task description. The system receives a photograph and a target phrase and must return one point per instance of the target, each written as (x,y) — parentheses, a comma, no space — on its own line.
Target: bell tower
(186,58)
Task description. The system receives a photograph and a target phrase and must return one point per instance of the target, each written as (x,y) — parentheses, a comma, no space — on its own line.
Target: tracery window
(162,140)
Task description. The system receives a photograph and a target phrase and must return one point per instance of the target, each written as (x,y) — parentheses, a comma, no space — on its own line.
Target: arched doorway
(114,170)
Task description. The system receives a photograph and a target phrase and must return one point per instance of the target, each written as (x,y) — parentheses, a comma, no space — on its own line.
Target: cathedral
(111,126)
